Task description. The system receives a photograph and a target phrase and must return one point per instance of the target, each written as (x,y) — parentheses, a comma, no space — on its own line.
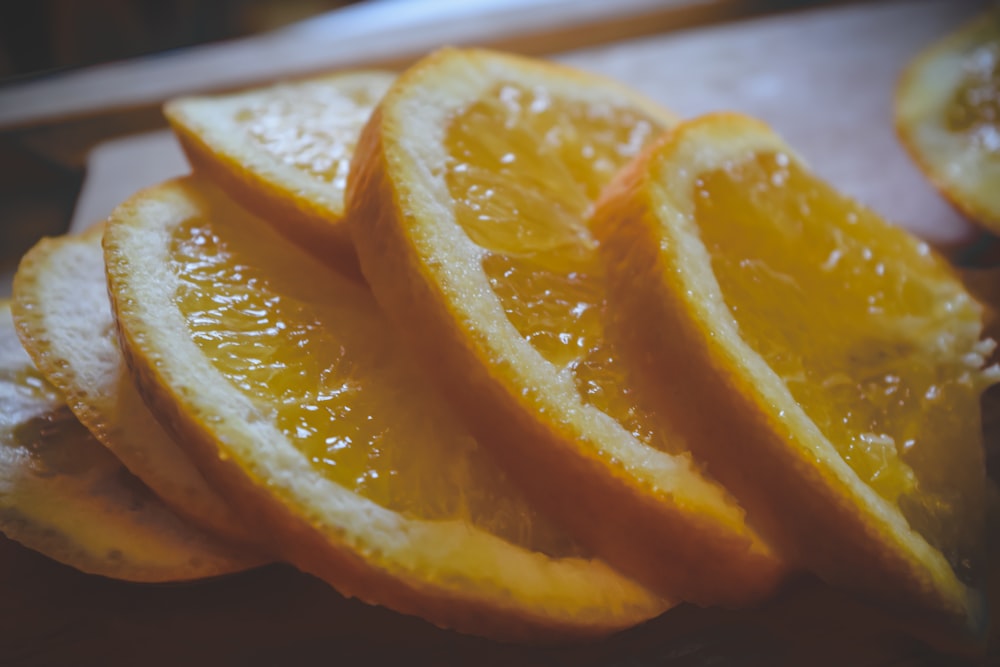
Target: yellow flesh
(311,127)
(869,348)
(524,194)
(330,375)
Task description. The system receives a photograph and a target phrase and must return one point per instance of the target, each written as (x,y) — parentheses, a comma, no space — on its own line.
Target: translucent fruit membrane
(321,362)
(524,194)
(311,127)
(876,352)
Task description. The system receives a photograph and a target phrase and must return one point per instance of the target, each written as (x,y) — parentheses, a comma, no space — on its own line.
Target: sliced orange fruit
(287,385)
(826,365)
(948,116)
(64,495)
(284,151)
(468,199)
(64,318)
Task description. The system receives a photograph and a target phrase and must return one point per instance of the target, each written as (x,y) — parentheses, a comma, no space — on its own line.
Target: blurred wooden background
(46,35)
(39,38)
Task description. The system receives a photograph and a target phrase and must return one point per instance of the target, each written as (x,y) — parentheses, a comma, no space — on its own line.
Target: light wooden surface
(116,169)
(824,78)
(382,31)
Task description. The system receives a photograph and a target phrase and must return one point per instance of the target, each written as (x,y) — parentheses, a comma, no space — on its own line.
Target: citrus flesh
(543,267)
(948,115)
(64,319)
(284,151)
(843,353)
(294,396)
(469,216)
(66,496)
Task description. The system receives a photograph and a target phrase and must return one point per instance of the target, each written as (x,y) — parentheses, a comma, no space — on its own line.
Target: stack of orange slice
(604,362)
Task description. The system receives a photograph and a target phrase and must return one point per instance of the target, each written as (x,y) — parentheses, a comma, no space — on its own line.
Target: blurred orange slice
(948,116)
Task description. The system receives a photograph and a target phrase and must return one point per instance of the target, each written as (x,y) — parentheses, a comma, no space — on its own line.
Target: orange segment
(843,352)
(948,116)
(64,495)
(296,399)
(470,222)
(284,151)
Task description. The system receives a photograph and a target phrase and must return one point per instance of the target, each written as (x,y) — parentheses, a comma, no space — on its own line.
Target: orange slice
(64,495)
(826,365)
(64,319)
(290,390)
(284,151)
(948,116)
(470,189)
